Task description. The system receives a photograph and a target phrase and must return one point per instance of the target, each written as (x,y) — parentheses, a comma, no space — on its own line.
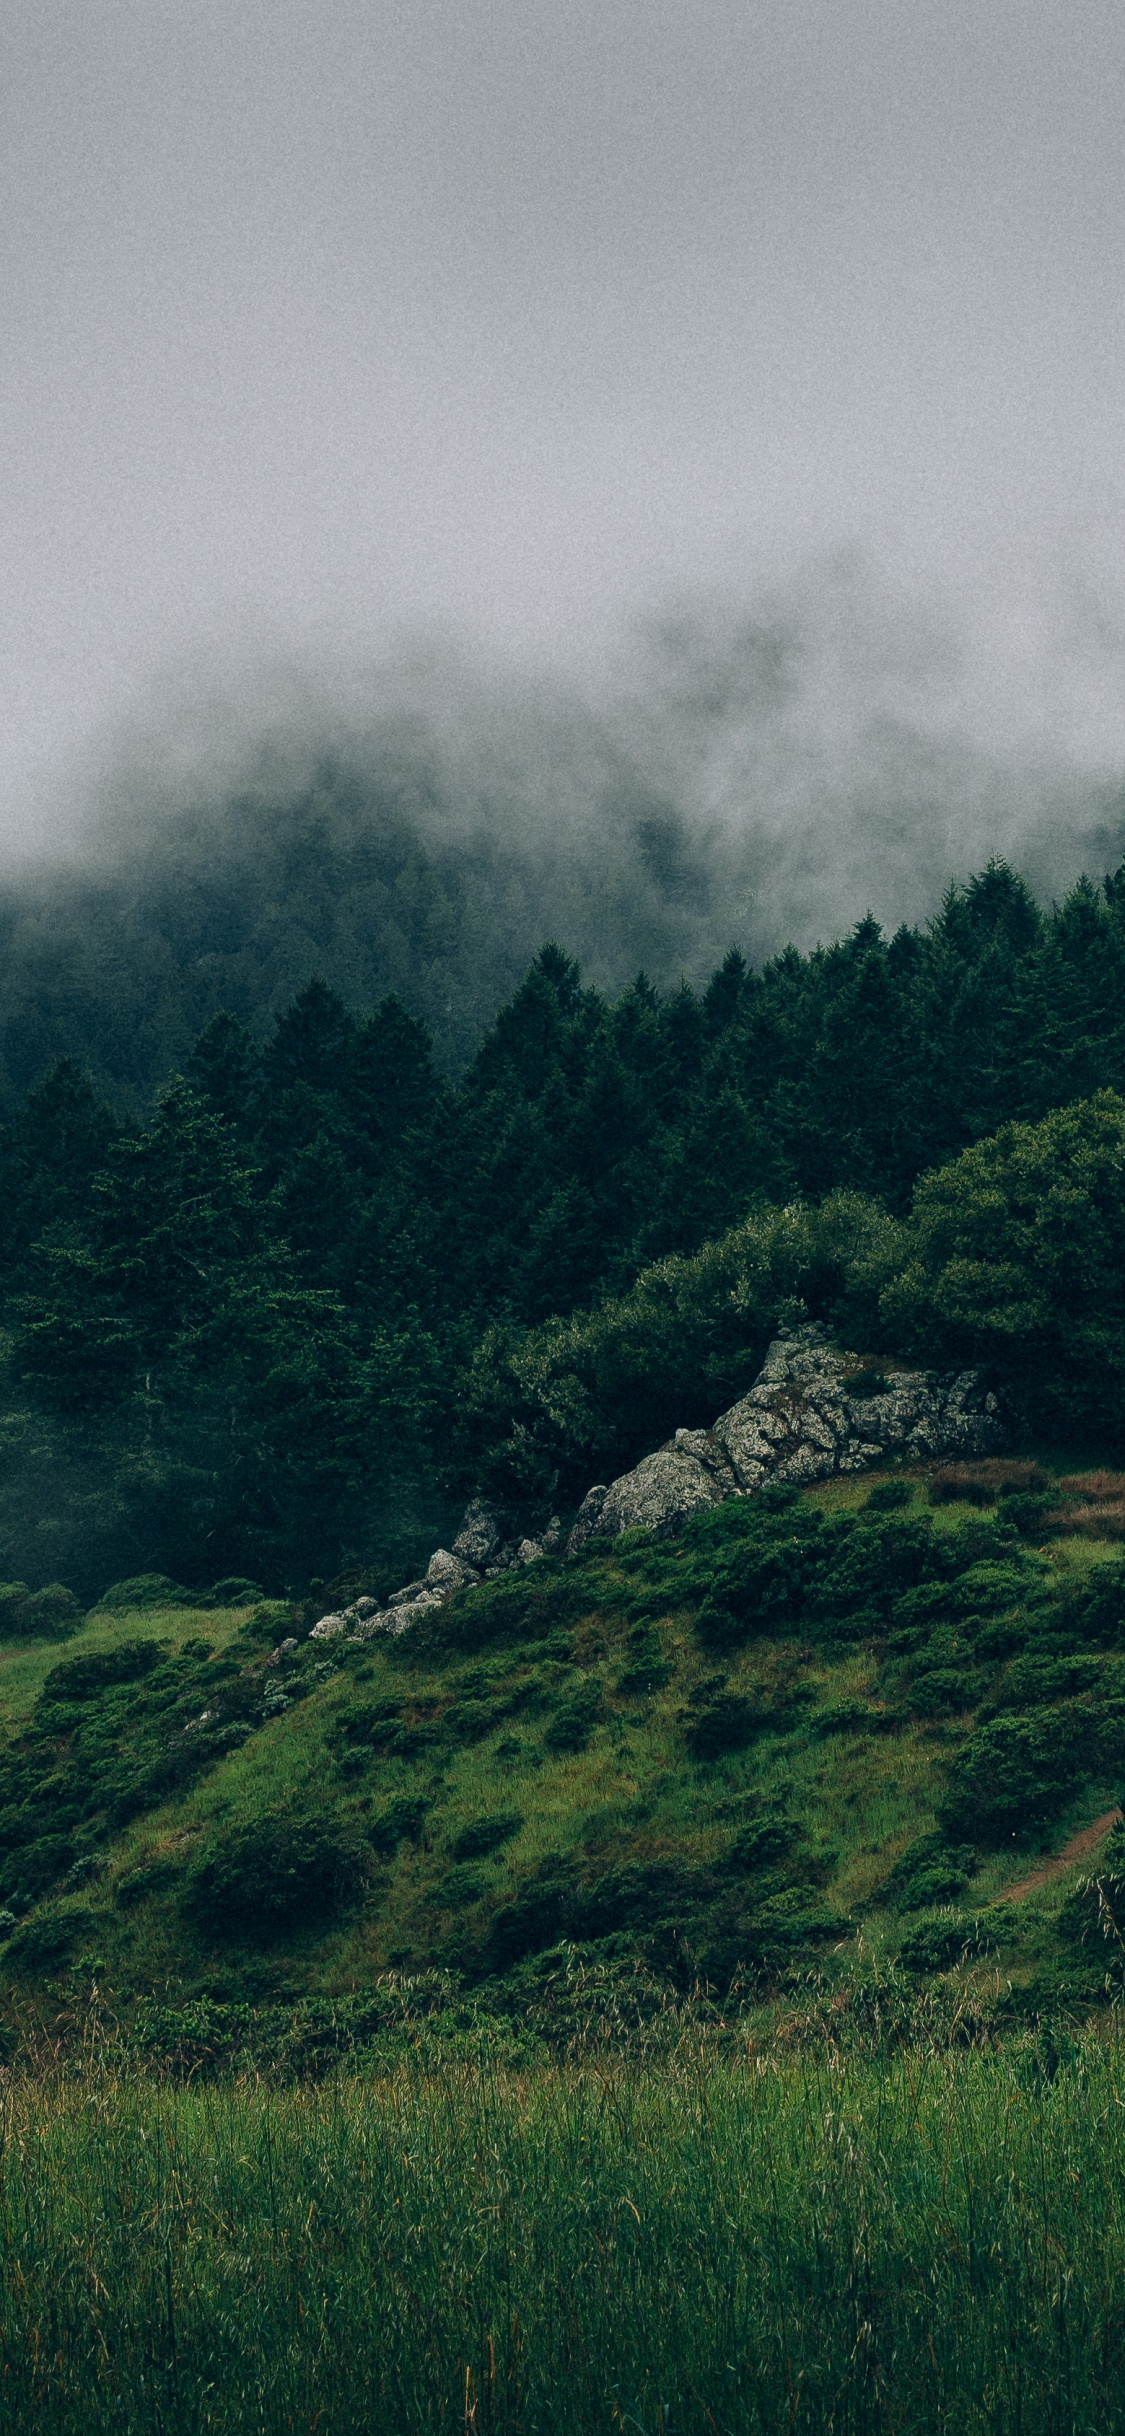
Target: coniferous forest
(279,1324)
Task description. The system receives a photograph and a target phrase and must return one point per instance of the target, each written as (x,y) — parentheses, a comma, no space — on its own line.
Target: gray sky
(319,321)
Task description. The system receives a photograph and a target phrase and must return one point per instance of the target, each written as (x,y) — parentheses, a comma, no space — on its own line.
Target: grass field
(753,2243)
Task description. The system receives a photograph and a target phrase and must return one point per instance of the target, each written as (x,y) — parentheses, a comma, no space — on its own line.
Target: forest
(281,1323)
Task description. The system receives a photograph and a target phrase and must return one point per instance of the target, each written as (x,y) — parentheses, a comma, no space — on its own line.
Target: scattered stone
(449,1573)
(328,1628)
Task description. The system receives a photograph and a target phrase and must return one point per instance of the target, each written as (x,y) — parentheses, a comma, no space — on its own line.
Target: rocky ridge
(813,1411)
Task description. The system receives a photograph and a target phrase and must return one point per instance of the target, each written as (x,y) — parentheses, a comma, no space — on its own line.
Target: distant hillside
(816,1728)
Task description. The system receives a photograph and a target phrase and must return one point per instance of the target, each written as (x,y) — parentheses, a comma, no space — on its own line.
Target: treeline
(281,1327)
(389,873)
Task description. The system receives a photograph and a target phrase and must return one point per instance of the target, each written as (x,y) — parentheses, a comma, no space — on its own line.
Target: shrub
(935,1945)
(46,1615)
(1015,1254)
(761,1841)
(51,1933)
(13,1598)
(929,1872)
(150,1878)
(944,1691)
(145,1590)
(723,1721)
(575,1718)
(84,1678)
(1015,1774)
(981,1483)
(485,1835)
(262,1877)
(398,1822)
(888,1496)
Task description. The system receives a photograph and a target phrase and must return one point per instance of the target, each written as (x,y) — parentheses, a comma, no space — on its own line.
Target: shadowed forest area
(280,1322)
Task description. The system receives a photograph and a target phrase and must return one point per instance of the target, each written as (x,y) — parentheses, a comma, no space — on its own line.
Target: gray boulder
(484,1532)
(657,1496)
(812,1412)
(447,1573)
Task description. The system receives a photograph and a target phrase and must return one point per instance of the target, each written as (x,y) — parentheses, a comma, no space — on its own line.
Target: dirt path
(1076,1850)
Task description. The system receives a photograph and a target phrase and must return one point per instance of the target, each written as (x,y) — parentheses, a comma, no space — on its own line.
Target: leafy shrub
(84,1678)
(723,1721)
(233,1591)
(575,1718)
(1015,1254)
(150,1878)
(852,1716)
(263,1877)
(646,1669)
(761,1841)
(50,1935)
(929,1872)
(13,1599)
(485,1835)
(888,1496)
(144,1590)
(1015,1774)
(944,1691)
(458,1888)
(527,1605)
(398,1822)
(1026,1514)
(935,1945)
(864,1384)
(47,1614)
(537,1916)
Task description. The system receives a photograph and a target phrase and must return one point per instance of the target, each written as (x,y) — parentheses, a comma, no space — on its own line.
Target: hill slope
(817,1726)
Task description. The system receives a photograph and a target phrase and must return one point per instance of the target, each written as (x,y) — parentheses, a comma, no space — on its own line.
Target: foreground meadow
(756,2243)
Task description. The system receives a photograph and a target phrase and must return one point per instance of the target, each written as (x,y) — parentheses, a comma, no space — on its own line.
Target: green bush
(1015,1774)
(85,1678)
(485,1835)
(144,1590)
(1015,1255)
(929,1872)
(50,1935)
(935,1945)
(261,1878)
(888,1496)
(47,1614)
(723,1721)
(575,1718)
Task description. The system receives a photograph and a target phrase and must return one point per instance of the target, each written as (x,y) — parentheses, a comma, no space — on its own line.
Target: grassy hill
(816,1737)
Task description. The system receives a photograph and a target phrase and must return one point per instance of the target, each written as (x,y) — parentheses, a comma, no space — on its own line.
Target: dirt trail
(1076,1850)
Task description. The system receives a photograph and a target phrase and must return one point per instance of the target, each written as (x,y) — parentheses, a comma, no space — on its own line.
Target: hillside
(820,1732)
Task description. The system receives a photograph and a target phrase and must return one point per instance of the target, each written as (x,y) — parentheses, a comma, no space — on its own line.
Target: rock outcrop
(812,1412)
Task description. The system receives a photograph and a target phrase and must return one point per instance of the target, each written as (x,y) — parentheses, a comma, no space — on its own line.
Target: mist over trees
(285,1323)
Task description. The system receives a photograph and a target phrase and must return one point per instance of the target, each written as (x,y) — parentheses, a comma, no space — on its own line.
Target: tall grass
(923,2242)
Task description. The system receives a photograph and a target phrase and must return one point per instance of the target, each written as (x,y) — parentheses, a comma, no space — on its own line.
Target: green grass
(625,1831)
(749,2244)
(24,1665)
